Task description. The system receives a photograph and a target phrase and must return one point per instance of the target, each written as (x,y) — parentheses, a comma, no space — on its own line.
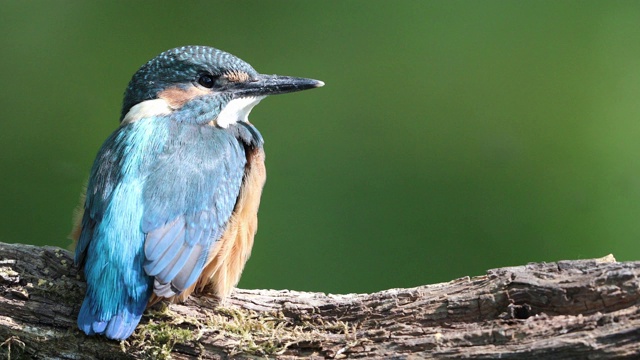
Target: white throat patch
(237,110)
(145,109)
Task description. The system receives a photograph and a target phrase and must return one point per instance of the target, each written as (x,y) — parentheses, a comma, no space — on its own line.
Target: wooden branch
(563,310)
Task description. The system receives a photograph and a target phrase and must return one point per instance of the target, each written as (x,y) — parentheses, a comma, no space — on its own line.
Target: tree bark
(564,310)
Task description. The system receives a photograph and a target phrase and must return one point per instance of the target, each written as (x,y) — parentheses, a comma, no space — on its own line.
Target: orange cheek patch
(176,97)
(237,76)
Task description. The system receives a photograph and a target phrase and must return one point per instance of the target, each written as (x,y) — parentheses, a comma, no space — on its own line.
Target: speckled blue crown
(175,66)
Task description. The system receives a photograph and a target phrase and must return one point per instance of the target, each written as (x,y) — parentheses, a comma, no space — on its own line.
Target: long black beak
(264,85)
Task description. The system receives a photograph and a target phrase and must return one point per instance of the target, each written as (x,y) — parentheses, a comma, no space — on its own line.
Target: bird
(171,203)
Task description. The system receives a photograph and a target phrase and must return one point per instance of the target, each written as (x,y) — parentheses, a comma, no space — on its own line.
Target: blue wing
(159,195)
(110,243)
(188,198)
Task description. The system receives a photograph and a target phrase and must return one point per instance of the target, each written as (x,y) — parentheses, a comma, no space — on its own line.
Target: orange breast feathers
(230,253)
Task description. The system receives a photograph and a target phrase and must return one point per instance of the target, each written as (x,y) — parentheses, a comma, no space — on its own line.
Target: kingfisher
(172,199)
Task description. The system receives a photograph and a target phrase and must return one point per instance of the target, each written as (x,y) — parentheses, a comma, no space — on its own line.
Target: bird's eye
(206,80)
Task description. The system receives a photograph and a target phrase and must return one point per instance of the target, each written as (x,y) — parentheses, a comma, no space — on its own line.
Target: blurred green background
(451,137)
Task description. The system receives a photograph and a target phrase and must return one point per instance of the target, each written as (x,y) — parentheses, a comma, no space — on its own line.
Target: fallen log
(562,310)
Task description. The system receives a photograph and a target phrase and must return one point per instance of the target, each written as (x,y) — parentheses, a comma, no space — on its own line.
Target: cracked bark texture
(564,310)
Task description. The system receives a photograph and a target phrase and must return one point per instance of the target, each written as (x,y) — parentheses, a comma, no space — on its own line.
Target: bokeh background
(451,137)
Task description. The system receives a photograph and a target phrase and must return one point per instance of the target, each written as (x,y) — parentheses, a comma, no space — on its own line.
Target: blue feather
(160,240)
(188,202)
(159,196)
(111,248)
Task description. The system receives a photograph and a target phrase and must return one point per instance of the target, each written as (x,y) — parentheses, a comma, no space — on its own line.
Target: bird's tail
(118,326)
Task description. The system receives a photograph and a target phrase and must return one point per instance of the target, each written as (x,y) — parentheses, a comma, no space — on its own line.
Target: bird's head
(202,85)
